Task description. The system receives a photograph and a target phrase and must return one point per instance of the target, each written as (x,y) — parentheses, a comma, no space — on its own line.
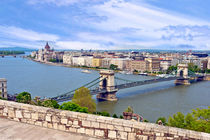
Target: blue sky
(106,24)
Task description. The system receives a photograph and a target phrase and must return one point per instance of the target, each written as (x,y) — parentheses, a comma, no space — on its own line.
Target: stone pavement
(11,130)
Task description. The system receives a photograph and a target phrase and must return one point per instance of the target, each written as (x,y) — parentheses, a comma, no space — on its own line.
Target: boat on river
(86,71)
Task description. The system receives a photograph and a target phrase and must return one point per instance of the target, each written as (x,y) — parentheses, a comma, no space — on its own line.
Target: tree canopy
(50,103)
(24,97)
(73,107)
(113,67)
(83,98)
(198,120)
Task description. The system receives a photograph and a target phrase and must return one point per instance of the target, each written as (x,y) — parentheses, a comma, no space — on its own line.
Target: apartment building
(153,64)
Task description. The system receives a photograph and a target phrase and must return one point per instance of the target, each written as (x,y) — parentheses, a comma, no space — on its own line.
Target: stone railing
(92,125)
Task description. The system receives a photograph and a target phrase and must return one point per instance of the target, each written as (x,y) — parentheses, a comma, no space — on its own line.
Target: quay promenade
(12,130)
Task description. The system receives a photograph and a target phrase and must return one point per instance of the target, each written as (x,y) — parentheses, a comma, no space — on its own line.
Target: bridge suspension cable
(123,79)
(71,92)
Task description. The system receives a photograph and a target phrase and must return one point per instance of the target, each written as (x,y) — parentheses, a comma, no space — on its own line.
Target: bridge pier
(107,86)
(182,72)
(182,81)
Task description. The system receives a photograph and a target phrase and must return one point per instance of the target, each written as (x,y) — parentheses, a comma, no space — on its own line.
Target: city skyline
(106,24)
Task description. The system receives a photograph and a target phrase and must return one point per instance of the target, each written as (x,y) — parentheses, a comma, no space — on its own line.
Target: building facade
(165,64)
(153,64)
(97,62)
(138,65)
(3,88)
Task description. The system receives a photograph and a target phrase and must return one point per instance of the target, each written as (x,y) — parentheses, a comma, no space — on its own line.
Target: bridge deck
(139,83)
(69,96)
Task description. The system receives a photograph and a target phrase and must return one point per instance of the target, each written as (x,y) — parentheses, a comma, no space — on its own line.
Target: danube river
(150,101)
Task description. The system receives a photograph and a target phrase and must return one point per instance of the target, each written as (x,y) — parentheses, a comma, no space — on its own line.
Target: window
(2,84)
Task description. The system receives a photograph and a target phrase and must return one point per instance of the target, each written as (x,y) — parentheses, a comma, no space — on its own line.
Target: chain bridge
(105,87)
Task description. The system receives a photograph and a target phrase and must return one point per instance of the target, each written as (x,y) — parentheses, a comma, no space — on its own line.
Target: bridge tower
(107,86)
(182,73)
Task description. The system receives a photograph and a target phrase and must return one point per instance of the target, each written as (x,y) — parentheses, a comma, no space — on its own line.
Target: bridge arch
(107,86)
(182,70)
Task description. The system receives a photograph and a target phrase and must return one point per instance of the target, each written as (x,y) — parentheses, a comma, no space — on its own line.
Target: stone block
(48,118)
(74,130)
(160,138)
(89,132)
(122,135)
(49,125)
(41,116)
(23,120)
(5,114)
(64,121)
(103,125)
(62,127)
(18,114)
(95,124)
(55,125)
(45,124)
(141,137)
(81,130)
(16,119)
(55,119)
(112,134)
(69,123)
(99,133)
(110,127)
(27,115)
(5,110)
(75,122)
(118,127)
(11,113)
(86,123)
(38,123)
(30,121)
(131,136)
(34,116)
(127,129)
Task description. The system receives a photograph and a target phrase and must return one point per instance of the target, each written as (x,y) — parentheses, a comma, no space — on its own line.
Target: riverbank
(69,66)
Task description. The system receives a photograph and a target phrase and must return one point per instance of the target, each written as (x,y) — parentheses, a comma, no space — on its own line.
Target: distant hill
(17,49)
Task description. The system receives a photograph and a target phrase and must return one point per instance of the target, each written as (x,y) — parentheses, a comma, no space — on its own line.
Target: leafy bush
(115,116)
(163,120)
(198,120)
(24,97)
(104,113)
(113,67)
(129,109)
(50,103)
(73,107)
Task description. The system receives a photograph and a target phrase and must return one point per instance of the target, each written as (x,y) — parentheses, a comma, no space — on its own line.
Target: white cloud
(76,45)
(23,34)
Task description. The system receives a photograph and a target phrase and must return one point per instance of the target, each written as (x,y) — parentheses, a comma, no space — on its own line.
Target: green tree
(177,120)
(163,120)
(171,69)
(73,107)
(24,97)
(113,67)
(83,98)
(115,116)
(50,103)
(193,68)
(198,120)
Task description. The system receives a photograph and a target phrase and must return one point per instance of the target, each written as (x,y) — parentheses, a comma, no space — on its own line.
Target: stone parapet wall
(93,125)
